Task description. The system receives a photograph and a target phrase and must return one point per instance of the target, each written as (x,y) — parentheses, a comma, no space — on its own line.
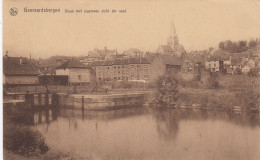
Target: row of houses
(145,68)
(20,70)
(234,63)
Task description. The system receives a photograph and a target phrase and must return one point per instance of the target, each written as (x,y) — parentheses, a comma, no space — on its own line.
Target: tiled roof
(108,63)
(120,62)
(193,58)
(18,66)
(170,60)
(97,63)
(166,48)
(221,55)
(73,63)
(236,61)
(150,56)
(138,61)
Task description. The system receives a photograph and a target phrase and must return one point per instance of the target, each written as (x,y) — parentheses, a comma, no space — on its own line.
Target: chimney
(6,54)
(21,61)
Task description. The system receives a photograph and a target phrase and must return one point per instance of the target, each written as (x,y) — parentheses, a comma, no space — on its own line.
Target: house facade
(19,71)
(77,72)
(160,64)
(214,64)
(129,69)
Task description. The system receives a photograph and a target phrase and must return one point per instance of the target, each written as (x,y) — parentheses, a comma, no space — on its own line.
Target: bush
(18,137)
(24,141)
(167,90)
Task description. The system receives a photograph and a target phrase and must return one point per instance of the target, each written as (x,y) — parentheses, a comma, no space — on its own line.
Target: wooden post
(39,98)
(55,99)
(82,106)
(32,99)
(29,99)
(46,99)
(75,88)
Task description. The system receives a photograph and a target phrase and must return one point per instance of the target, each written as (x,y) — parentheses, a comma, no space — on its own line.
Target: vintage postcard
(131,80)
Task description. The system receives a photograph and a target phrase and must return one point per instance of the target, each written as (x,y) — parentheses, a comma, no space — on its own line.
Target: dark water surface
(146,133)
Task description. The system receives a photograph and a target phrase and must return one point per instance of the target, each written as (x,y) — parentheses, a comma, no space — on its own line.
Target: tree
(243,46)
(167,90)
(221,45)
(252,43)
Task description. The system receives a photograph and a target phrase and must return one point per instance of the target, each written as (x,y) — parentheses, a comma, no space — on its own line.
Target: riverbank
(51,155)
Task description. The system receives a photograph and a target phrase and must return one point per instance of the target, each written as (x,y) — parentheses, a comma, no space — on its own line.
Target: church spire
(173,38)
(173,30)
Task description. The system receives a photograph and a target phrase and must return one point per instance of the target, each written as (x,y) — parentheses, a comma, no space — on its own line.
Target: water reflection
(166,122)
(166,118)
(148,133)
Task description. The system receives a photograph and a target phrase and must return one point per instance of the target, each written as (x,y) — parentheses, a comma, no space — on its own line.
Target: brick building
(131,69)
(160,64)
(77,72)
(19,70)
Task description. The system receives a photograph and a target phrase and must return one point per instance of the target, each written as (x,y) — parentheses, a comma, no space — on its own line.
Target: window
(209,65)
(79,77)
(107,67)
(214,64)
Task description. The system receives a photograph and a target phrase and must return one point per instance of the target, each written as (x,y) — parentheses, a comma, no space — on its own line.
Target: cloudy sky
(146,24)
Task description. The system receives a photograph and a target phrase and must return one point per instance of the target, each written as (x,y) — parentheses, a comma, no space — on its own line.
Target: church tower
(173,40)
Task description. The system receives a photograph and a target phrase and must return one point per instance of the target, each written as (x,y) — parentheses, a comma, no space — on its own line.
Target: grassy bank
(51,155)
(216,91)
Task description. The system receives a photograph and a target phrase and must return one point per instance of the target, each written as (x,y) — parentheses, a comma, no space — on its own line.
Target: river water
(152,134)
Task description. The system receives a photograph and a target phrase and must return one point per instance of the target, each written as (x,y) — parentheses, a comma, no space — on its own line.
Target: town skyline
(199,25)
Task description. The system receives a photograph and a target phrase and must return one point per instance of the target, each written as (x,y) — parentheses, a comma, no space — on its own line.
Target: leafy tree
(243,45)
(221,45)
(167,90)
(229,45)
(252,43)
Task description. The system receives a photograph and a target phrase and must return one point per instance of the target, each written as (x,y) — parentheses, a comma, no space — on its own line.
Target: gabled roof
(73,63)
(166,48)
(236,61)
(120,62)
(18,66)
(170,60)
(192,57)
(150,56)
(108,63)
(141,60)
(221,55)
(97,63)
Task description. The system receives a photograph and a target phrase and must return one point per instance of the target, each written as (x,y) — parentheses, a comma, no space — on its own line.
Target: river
(148,133)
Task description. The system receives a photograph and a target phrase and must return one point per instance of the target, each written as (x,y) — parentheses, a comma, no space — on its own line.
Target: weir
(105,101)
(32,99)
(78,101)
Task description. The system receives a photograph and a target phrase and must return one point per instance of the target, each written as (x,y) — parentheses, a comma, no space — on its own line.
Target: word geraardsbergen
(51,10)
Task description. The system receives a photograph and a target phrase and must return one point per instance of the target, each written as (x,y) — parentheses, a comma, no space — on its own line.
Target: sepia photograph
(131,80)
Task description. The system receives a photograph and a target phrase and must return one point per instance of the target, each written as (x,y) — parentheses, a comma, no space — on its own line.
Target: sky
(200,24)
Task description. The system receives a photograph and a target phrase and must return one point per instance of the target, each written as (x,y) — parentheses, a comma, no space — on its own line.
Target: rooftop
(73,63)
(18,66)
